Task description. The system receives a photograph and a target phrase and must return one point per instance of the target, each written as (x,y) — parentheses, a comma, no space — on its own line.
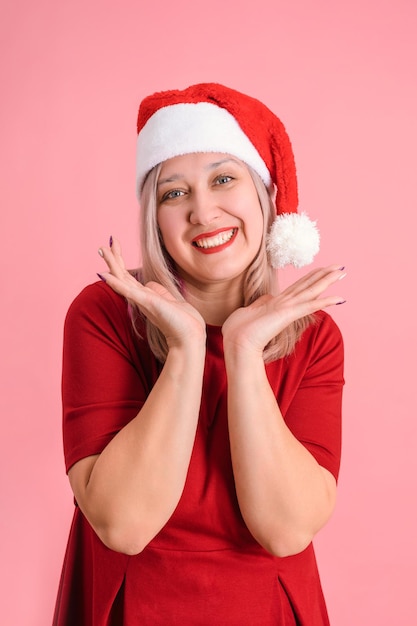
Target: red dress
(204,567)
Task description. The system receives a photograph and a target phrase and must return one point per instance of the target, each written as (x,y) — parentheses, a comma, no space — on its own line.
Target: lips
(215,241)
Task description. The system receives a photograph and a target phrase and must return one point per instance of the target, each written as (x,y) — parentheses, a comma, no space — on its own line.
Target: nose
(204,209)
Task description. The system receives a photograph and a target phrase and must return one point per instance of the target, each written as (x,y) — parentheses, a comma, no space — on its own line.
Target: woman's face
(209,216)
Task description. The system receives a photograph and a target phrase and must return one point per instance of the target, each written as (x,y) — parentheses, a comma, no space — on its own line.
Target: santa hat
(212,118)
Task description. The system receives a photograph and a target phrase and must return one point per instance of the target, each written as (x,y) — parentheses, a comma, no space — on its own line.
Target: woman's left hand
(251,328)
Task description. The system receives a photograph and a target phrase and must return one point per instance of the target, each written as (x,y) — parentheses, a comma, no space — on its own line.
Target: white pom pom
(293,240)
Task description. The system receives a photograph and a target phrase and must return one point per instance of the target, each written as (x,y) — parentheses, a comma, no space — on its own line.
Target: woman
(202,406)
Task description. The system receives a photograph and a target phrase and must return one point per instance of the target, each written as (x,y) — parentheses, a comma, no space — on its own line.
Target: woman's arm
(130,490)
(284,495)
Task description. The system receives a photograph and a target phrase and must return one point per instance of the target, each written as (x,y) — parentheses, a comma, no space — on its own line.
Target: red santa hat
(209,117)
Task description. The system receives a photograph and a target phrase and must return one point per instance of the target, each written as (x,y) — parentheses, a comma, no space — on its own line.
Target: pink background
(342,75)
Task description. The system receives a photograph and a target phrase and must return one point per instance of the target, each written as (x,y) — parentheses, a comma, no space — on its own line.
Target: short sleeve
(314,380)
(107,372)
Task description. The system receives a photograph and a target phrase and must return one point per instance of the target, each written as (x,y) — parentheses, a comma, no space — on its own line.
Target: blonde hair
(158,266)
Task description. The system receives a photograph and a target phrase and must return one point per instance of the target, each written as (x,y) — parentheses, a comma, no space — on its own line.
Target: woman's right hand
(178,320)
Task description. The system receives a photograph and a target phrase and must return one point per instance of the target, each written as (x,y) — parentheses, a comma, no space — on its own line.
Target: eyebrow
(210,166)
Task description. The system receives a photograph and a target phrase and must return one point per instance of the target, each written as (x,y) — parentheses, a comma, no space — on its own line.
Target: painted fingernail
(341,302)
(100,251)
(111,241)
(342,268)
(101,277)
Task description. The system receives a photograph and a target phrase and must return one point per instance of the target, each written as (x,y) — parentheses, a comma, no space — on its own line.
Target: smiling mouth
(215,241)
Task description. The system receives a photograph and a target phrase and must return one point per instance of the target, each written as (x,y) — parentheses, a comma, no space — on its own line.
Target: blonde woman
(202,407)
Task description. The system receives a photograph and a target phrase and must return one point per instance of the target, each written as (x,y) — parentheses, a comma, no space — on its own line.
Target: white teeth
(217,240)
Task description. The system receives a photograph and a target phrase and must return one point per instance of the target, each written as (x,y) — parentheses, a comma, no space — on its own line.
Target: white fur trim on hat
(193,127)
(292,240)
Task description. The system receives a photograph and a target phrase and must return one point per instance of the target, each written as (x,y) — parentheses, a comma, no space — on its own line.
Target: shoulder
(98,307)
(322,331)
(96,296)
(324,326)
(321,345)
(101,322)
(99,301)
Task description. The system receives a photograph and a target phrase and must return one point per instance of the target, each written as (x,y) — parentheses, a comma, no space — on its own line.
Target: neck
(215,302)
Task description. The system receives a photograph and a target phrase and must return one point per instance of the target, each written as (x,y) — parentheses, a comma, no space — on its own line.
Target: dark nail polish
(341,302)
(111,241)
(101,277)
(342,268)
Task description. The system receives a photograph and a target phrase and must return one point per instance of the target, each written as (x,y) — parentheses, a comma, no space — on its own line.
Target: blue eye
(171,195)
(221,180)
